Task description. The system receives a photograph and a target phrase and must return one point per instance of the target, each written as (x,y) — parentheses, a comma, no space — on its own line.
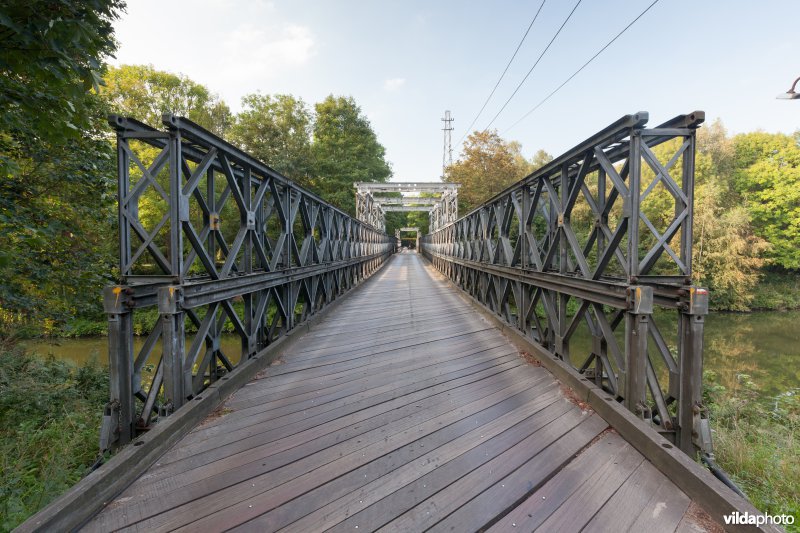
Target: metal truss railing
(590,258)
(227,253)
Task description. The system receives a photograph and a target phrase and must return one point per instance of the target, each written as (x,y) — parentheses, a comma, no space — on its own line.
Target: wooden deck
(403,411)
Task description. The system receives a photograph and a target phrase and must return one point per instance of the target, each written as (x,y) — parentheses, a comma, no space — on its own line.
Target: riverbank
(50,415)
(757,442)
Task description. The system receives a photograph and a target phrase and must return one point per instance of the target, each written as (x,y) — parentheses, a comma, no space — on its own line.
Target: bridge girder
(372,202)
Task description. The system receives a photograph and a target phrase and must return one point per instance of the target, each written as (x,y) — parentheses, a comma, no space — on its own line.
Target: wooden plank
(248,415)
(246,500)
(647,501)
(371,385)
(267,388)
(664,511)
(349,359)
(552,454)
(482,511)
(258,482)
(581,505)
(535,509)
(258,434)
(430,353)
(315,355)
(338,429)
(335,501)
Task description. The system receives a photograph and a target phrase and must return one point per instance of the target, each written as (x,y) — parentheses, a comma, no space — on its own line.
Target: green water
(763,345)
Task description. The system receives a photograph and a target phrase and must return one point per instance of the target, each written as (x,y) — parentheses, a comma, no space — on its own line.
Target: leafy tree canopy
(489,165)
(767,175)
(277,130)
(50,57)
(144,93)
(345,150)
(55,164)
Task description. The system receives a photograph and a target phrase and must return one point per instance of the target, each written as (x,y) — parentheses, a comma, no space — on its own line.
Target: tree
(54,160)
(277,130)
(540,159)
(767,175)
(727,255)
(50,59)
(144,93)
(489,165)
(345,150)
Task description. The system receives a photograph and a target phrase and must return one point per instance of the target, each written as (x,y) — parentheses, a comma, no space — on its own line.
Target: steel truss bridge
(374,200)
(537,367)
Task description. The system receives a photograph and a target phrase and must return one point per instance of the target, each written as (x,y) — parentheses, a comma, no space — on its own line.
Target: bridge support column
(177,380)
(120,416)
(693,431)
(637,323)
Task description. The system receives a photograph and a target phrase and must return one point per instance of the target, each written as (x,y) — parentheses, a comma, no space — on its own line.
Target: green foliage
(144,93)
(490,164)
(55,161)
(728,254)
(50,414)
(56,212)
(757,442)
(277,130)
(767,175)
(50,58)
(345,150)
(540,159)
(777,290)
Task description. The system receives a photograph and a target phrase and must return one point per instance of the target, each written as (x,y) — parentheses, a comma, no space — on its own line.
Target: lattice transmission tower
(447,153)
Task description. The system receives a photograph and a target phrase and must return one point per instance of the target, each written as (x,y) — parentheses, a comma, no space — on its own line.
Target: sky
(406,62)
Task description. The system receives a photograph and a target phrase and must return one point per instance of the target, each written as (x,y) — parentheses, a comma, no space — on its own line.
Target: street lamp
(790,94)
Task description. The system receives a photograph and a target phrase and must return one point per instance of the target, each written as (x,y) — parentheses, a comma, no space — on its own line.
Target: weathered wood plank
(319,424)
(549,455)
(243,501)
(335,501)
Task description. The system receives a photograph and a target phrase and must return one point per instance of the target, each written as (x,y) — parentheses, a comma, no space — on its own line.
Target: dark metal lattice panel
(584,244)
(222,247)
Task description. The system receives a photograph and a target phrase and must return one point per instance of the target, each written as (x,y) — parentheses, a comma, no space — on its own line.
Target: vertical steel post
(120,364)
(637,321)
(562,347)
(635,342)
(123,189)
(690,367)
(177,377)
(687,184)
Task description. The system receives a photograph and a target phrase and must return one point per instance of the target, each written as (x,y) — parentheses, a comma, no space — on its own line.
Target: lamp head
(790,94)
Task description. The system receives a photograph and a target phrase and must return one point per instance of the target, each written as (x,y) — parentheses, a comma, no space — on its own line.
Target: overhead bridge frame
(372,202)
(218,243)
(574,245)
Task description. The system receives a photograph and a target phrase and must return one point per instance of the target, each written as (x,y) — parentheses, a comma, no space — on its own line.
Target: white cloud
(252,52)
(393,84)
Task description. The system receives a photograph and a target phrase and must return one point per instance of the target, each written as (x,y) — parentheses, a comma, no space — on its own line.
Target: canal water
(763,345)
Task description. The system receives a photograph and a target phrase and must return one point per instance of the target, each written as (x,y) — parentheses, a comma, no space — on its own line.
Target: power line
(609,43)
(534,65)
(504,72)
